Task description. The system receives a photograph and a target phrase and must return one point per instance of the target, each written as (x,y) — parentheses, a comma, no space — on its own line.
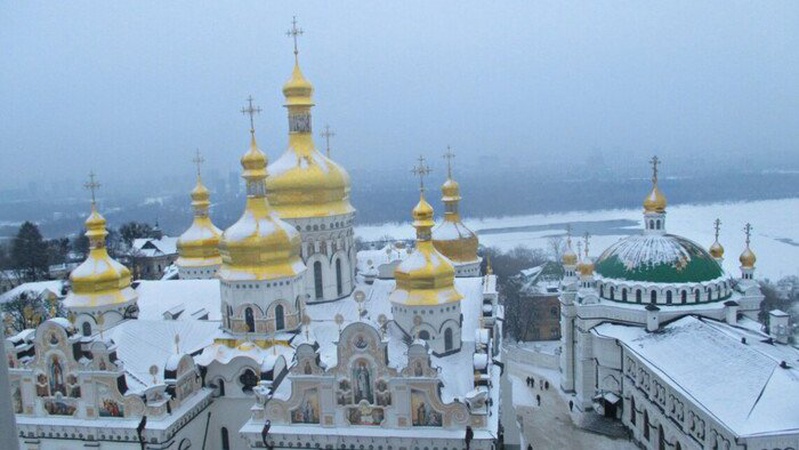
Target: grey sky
(134,87)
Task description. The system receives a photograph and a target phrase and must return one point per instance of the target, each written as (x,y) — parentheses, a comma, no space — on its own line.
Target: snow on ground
(775,238)
(550,425)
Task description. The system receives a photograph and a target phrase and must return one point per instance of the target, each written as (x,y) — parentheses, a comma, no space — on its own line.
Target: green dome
(657,259)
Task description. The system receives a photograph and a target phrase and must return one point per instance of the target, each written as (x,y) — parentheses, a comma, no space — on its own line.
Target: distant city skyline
(131,89)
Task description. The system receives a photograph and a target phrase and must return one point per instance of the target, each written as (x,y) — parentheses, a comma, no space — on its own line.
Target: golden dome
(716,250)
(569,258)
(452,238)
(303,182)
(426,277)
(298,90)
(422,214)
(747,258)
(655,202)
(450,191)
(586,268)
(100,279)
(199,244)
(259,246)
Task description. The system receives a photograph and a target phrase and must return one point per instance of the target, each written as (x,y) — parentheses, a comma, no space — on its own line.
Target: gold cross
(717,226)
(421,170)
(449,156)
(198,161)
(655,162)
(92,185)
(327,134)
(251,111)
(293,33)
(748,231)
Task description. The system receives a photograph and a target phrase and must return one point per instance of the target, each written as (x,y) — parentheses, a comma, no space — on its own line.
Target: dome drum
(665,294)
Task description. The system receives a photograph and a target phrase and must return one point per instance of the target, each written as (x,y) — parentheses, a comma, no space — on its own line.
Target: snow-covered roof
(741,384)
(37,287)
(144,343)
(157,297)
(150,247)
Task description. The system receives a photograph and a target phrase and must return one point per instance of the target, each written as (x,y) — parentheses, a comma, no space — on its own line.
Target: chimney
(652,317)
(731,312)
(778,325)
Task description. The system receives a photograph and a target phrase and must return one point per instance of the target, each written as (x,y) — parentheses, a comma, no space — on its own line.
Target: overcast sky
(131,88)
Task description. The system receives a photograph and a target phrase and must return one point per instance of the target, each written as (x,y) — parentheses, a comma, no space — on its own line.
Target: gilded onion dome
(303,182)
(452,238)
(716,249)
(259,246)
(748,257)
(569,258)
(426,277)
(199,245)
(100,280)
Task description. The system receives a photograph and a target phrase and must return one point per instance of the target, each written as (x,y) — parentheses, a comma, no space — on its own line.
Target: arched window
(661,438)
(638,296)
(339,287)
(448,339)
(677,446)
(317,278)
(668,297)
(225,439)
(633,415)
(87,329)
(221,384)
(424,335)
(601,290)
(280,322)
(658,224)
(612,293)
(684,296)
(696,296)
(651,224)
(646,425)
(249,319)
(709,294)
(653,297)
(624,294)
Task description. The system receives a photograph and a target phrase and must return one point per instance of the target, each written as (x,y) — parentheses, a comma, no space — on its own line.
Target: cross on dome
(748,231)
(717,227)
(251,111)
(198,160)
(92,185)
(655,161)
(449,155)
(293,33)
(421,170)
(327,134)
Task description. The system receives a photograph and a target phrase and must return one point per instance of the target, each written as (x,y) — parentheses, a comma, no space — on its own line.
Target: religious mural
(308,411)
(362,378)
(60,407)
(57,381)
(422,413)
(365,415)
(108,405)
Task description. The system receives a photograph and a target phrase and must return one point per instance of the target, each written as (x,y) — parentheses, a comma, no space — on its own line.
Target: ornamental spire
(655,162)
(92,185)
(294,33)
(198,161)
(716,250)
(449,156)
(421,170)
(251,111)
(327,134)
